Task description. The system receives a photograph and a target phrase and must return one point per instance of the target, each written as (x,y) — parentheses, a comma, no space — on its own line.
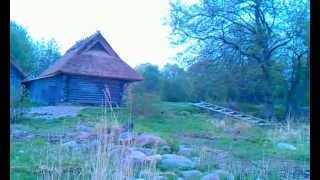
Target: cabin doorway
(52,94)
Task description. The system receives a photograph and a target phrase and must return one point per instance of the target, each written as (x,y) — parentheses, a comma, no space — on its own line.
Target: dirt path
(50,112)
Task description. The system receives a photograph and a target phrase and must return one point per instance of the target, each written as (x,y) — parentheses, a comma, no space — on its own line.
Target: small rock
(83,135)
(218,175)
(146,151)
(191,174)
(173,161)
(286,146)
(18,133)
(83,127)
(154,158)
(165,149)
(185,150)
(126,138)
(160,178)
(71,145)
(137,157)
(149,139)
(147,174)
(180,178)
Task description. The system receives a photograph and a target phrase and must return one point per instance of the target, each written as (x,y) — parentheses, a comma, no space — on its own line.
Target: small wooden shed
(83,75)
(16,77)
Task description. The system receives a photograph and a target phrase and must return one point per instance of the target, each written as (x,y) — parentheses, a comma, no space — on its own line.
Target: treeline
(32,55)
(241,88)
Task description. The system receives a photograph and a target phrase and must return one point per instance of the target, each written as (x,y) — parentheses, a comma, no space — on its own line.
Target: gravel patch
(50,112)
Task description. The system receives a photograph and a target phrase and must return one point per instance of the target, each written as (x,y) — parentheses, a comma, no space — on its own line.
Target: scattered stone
(180,178)
(20,134)
(173,161)
(119,153)
(127,127)
(165,149)
(218,175)
(149,139)
(160,178)
(286,146)
(196,160)
(185,150)
(85,136)
(137,157)
(147,174)
(54,139)
(126,138)
(191,174)
(85,128)
(146,151)
(70,144)
(153,158)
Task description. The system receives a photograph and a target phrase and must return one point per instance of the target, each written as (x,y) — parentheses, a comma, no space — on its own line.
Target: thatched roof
(92,56)
(16,65)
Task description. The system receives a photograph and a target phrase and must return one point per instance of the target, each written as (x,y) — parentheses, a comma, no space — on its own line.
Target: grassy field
(246,151)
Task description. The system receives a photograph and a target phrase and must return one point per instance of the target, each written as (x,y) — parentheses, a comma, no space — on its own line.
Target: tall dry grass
(107,160)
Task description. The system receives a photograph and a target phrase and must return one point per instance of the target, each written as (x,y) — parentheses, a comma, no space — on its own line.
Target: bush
(19,105)
(143,104)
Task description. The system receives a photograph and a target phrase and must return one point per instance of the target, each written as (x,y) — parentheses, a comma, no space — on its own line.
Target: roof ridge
(83,41)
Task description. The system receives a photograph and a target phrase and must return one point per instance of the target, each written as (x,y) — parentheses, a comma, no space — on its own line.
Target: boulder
(173,161)
(286,146)
(218,175)
(149,139)
(191,174)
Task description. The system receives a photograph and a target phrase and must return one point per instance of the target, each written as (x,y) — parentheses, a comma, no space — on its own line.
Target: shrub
(19,105)
(143,103)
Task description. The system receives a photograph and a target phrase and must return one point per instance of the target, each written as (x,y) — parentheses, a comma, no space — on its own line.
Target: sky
(134,28)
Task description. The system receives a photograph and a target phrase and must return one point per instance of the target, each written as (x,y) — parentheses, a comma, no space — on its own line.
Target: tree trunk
(268,99)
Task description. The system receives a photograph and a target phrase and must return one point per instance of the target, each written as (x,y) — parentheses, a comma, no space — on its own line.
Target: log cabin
(90,72)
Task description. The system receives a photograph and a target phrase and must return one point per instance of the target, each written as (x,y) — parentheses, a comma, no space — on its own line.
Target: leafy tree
(46,53)
(21,46)
(151,78)
(174,84)
(33,56)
